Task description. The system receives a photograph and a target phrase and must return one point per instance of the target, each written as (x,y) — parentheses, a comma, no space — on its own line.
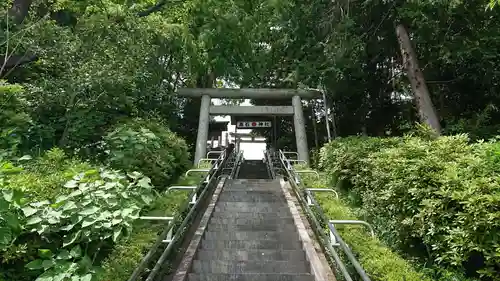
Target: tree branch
(153,9)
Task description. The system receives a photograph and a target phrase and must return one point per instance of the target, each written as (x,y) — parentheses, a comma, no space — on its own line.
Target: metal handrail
(197,171)
(308,172)
(298,160)
(204,186)
(309,193)
(319,229)
(369,226)
(215,152)
(167,250)
(290,152)
(206,160)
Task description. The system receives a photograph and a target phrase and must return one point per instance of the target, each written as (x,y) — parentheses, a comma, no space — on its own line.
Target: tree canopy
(74,73)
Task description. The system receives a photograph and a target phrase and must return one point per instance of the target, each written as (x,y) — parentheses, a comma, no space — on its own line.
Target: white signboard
(253,124)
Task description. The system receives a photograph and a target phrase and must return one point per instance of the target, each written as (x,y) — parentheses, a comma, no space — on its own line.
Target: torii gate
(206,109)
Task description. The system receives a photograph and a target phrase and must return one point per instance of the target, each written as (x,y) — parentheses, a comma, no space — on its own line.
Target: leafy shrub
(61,237)
(13,118)
(149,147)
(380,263)
(433,198)
(127,254)
(44,178)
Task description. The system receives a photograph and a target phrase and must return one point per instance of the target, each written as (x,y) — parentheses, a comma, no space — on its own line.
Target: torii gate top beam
(248,93)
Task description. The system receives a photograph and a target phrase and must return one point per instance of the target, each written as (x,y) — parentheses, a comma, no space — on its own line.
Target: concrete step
(251,277)
(251,215)
(254,181)
(271,189)
(252,221)
(235,267)
(225,197)
(244,255)
(250,235)
(258,190)
(247,227)
(293,244)
(271,206)
(270,209)
(262,181)
(253,193)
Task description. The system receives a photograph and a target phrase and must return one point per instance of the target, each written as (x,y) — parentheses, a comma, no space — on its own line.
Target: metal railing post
(169,234)
(307,200)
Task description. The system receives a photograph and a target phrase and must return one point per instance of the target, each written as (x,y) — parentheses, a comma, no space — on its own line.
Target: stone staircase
(251,235)
(253,169)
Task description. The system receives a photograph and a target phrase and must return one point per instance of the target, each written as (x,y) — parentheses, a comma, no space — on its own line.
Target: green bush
(379,262)
(127,254)
(44,178)
(13,118)
(57,213)
(147,146)
(436,199)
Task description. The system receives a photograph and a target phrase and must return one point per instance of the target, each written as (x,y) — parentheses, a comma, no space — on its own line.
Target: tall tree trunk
(423,100)
(20,9)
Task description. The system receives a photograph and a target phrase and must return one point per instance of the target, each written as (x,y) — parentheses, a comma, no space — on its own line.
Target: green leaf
(61,198)
(48,264)
(135,175)
(144,182)
(8,194)
(12,220)
(116,234)
(60,277)
(76,252)
(45,253)
(25,157)
(68,227)
(87,277)
(70,205)
(75,193)
(71,184)
(28,211)
(33,265)
(89,211)
(88,221)
(127,211)
(147,199)
(70,239)
(41,228)
(5,235)
(41,203)
(105,215)
(33,220)
(85,262)
(64,255)
(46,276)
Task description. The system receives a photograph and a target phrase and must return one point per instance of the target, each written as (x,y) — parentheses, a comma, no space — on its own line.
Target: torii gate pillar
(300,129)
(206,109)
(202,137)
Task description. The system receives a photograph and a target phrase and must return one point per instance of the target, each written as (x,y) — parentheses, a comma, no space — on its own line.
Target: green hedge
(435,199)
(379,262)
